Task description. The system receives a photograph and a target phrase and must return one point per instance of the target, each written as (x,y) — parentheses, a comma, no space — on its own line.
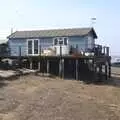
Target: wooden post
(31,64)
(39,66)
(110,68)
(95,72)
(107,51)
(76,69)
(47,66)
(60,68)
(100,72)
(106,72)
(63,68)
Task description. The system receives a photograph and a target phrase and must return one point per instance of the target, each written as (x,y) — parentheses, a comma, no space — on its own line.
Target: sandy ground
(42,98)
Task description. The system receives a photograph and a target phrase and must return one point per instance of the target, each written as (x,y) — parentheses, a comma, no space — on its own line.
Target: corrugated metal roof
(53,33)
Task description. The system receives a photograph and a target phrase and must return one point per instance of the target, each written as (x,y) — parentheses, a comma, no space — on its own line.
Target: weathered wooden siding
(15,45)
(45,43)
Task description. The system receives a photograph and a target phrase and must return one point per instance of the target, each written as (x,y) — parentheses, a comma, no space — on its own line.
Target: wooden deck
(70,66)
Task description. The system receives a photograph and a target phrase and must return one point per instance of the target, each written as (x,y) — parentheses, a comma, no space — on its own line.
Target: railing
(78,49)
(97,50)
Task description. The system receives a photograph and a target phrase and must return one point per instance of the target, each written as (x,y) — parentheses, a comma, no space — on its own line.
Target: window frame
(33,46)
(60,39)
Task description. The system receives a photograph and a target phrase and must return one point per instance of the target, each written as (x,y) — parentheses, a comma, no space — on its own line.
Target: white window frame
(58,39)
(33,46)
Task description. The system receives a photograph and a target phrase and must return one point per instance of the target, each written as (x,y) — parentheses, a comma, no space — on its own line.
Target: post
(19,58)
(60,68)
(95,72)
(60,62)
(39,66)
(76,69)
(107,51)
(47,66)
(100,72)
(39,60)
(106,71)
(63,68)
(30,63)
(109,67)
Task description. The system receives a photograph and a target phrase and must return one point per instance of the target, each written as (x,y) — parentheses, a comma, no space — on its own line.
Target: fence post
(76,69)
(39,60)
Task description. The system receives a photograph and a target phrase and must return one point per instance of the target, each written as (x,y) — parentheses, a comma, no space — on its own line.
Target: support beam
(48,62)
(60,68)
(31,64)
(76,69)
(109,69)
(39,66)
(63,68)
(95,72)
(106,72)
(100,72)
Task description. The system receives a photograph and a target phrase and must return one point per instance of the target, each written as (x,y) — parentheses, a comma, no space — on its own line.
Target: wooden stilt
(76,69)
(39,66)
(31,64)
(47,66)
(109,69)
(63,68)
(106,72)
(60,68)
(95,72)
(100,72)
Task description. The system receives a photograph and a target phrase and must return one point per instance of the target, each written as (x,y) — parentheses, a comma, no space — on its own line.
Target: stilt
(106,72)
(47,66)
(31,64)
(95,72)
(76,69)
(60,68)
(39,66)
(63,68)
(109,69)
(100,72)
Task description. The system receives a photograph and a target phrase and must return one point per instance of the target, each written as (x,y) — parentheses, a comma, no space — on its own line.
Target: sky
(50,14)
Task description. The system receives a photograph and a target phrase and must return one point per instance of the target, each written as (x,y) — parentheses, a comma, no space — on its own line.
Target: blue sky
(47,14)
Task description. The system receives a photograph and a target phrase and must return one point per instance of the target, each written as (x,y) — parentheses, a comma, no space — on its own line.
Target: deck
(74,66)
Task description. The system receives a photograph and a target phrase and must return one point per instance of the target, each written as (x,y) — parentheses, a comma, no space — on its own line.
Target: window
(55,41)
(33,47)
(61,41)
(65,41)
(30,47)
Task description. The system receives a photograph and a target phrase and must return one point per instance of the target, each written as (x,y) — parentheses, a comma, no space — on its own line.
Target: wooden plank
(60,68)
(48,66)
(106,72)
(39,66)
(76,69)
(63,68)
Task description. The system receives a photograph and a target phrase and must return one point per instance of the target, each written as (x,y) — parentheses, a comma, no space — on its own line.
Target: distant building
(4,51)
(30,43)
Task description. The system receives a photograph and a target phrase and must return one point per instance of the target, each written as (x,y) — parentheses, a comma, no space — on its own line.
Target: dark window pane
(65,41)
(61,42)
(55,41)
(35,43)
(29,51)
(60,38)
(35,51)
(30,47)
(35,46)
(29,43)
